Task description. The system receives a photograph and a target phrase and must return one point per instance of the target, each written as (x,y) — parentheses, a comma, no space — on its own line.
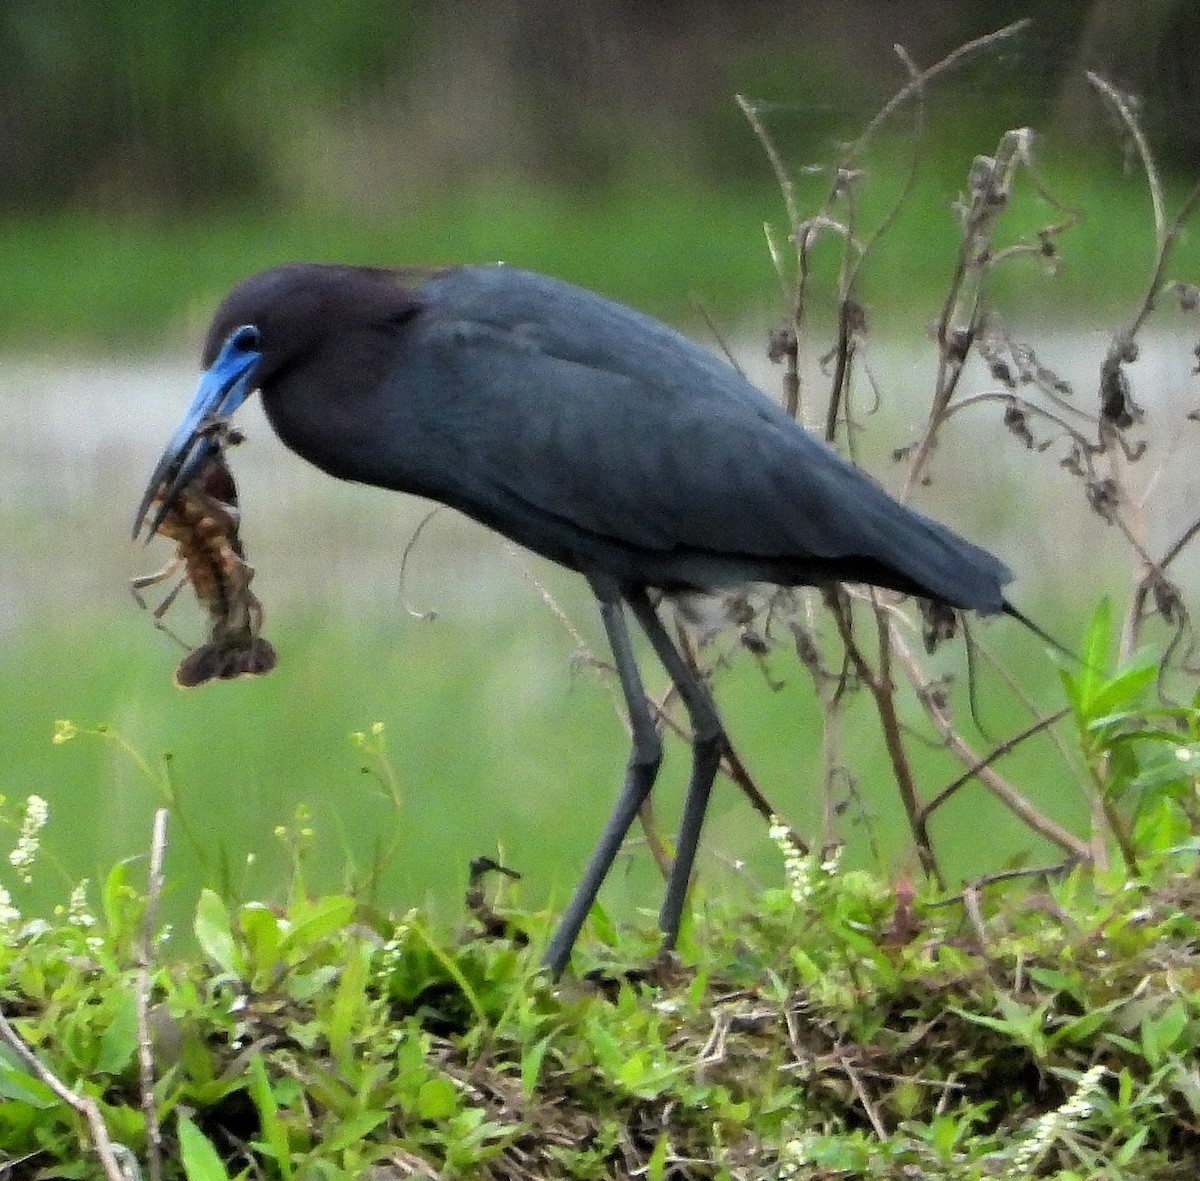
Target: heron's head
(224,385)
(264,326)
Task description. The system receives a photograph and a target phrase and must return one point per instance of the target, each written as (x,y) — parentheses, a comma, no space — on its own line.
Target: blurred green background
(154,154)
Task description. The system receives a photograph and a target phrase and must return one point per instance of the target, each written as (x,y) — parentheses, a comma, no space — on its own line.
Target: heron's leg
(644,760)
(708,745)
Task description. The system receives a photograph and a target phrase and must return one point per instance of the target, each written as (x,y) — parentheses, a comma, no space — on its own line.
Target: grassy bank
(83,283)
(494,743)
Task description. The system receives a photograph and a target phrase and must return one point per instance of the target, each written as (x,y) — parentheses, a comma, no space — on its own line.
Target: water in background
(79,438)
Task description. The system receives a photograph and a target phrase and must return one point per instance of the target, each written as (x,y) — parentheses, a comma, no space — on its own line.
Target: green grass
(83,282)
(842,1020)
(827,1028)
(499,747)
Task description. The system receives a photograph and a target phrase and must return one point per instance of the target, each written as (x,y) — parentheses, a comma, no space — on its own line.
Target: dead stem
(154,884)
(999,787)
(879,684)
(947,63)
(997,752)
(110,1153)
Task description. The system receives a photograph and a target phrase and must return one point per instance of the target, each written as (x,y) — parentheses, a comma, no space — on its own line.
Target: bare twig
(1118,409)
(110,1153)
(409,546)
(1167,239)
(1058,869)
(1019,694)
(717,335)
(1121,105)
(783,178)
(997,752)
(952,59)
(1094,442)
(154,884)
(879,684)
(1177,547)
(864,1097)
(990,187)
(999,787)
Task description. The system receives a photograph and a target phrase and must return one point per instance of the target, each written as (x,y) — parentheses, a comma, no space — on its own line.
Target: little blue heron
(590,434)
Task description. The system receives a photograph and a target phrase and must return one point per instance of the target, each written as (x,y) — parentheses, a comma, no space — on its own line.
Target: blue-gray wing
(571,414)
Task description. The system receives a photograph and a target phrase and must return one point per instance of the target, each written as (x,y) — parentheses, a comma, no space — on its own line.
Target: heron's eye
(246,338)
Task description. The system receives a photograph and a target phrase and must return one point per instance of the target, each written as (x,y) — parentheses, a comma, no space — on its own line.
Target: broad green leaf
(18,1086)
(261,929)
(199,1157)
(437,1099)
(1160,1034)
(119,1040)
(1160,825)
(1094,657)
(215,935)
(353,1130)
(328,916)
(1123,688)
(303,986)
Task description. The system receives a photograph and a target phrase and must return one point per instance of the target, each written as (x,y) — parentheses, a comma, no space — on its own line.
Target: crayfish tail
(225,662)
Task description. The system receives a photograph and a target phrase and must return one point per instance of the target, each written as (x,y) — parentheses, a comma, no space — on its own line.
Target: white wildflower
(1052,1125)
(37,811)
(392,951)
(833,860)
(799,868)
(10,916)
(78,914)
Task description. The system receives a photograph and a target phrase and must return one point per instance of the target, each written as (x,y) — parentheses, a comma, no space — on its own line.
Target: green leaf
(1123,688)
(15,1084)
(303,986)
(349,1002)
(261,930)
(1161,1034)
(274,1134)
(531,1065)
(1128,1152)
(353,1130)
(327,917)
(215,934)
(602,926)
(1082,1028)
(656,1166)
(114,899)
(199,1157)
(1094,656)
(437,1099)
(1160,825)
(119,1039)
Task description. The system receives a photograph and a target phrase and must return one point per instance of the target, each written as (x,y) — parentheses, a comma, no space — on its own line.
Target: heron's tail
(1041,634)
